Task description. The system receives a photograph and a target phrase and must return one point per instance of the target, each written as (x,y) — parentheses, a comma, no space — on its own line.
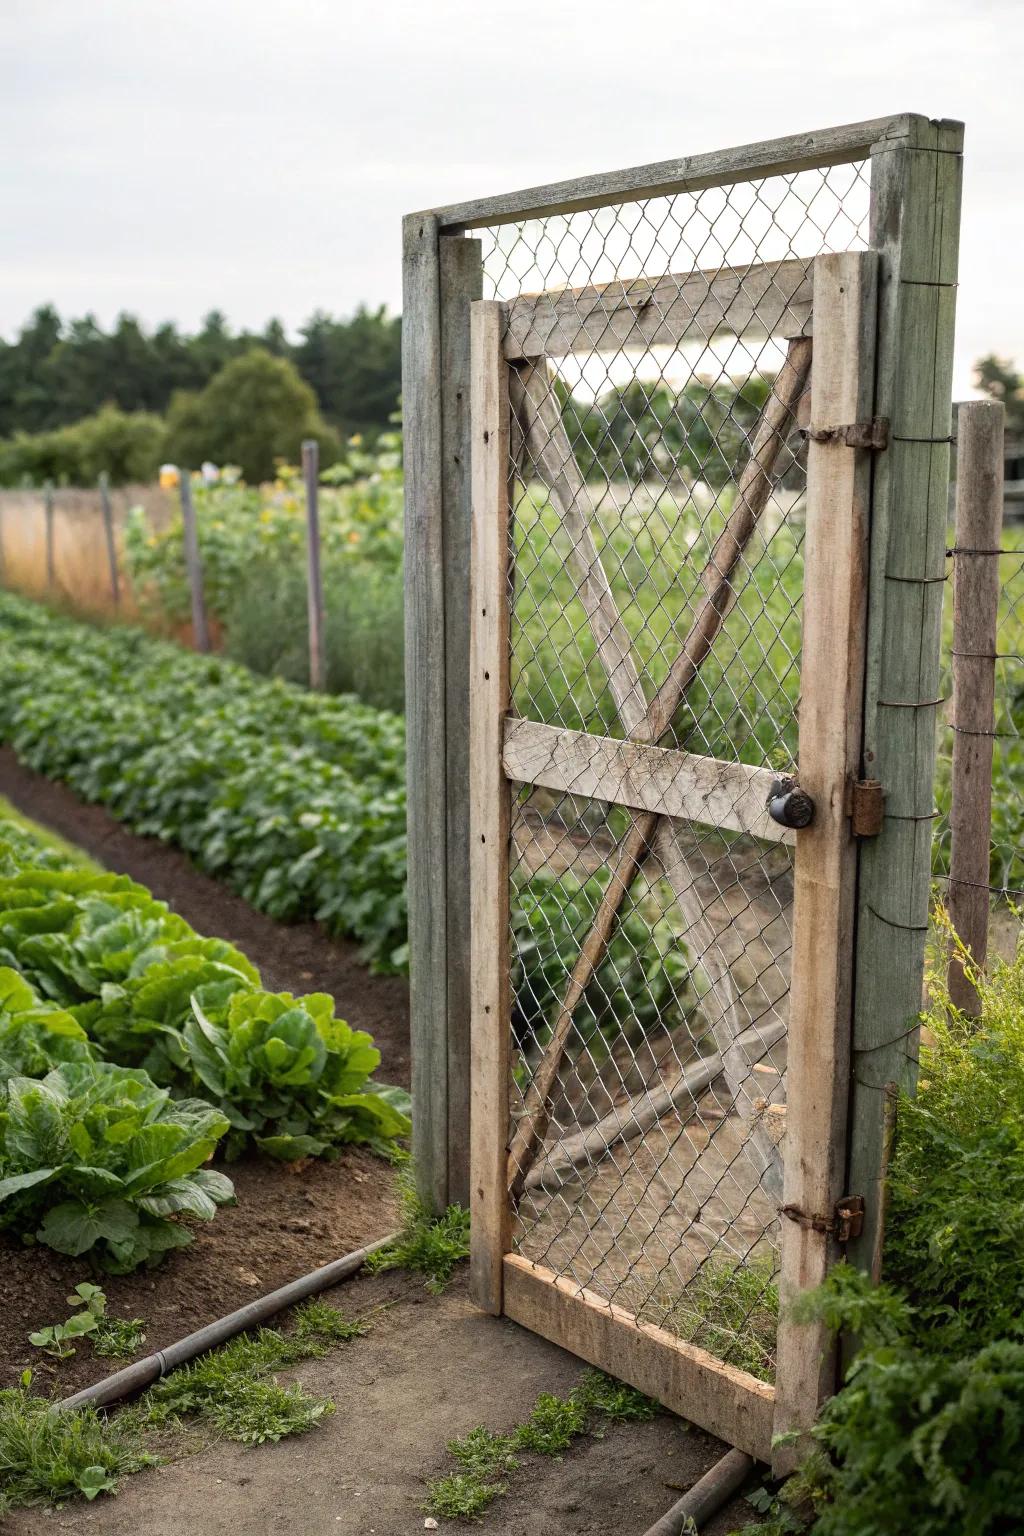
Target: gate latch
(873,434)
(788,804)
(865,806)
(846,1221)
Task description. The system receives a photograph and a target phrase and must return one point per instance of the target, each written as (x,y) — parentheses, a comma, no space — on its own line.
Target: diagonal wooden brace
(755,487)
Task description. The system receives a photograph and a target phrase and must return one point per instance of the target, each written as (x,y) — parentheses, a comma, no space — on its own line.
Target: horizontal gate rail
(664,780)
(691,1382)
(746,162)
(765,299)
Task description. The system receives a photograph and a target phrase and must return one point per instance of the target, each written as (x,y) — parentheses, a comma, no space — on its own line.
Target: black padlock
(788,804)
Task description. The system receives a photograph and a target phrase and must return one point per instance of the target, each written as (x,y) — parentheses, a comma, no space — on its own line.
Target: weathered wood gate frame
(914,226)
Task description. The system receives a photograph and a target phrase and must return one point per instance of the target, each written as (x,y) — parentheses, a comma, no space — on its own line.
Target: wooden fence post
(108,531)
(979,529)
(314,580)
(48,513)
(915,218)
(193,564)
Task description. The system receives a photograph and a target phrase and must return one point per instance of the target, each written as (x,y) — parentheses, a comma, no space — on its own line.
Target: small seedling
(56,1339)
(430,1246)
(117,1337)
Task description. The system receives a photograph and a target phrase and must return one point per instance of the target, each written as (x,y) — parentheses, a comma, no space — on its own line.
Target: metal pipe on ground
(137,1377)
(706,1497)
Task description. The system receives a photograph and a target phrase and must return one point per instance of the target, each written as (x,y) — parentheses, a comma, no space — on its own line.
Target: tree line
(57,372)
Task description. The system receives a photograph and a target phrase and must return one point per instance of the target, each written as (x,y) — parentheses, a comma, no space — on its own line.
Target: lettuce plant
(95,1158)
(35,1036)
(289,1074)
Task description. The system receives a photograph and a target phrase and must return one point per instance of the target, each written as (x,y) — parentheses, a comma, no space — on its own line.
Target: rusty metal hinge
(846,1221)
(873,434)
(865,806)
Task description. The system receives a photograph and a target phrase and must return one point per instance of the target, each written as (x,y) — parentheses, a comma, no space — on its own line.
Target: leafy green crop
(124,978)
(94,1158)
(291,1074)
(295,799)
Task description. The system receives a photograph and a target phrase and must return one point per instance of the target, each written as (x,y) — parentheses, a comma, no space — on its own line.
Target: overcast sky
(171,156)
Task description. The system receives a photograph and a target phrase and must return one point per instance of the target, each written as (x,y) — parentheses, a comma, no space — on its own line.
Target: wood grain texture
(825,871)
(915,212)
(692,1383)
(676,784)
(979,529)
(461,282)
(314,579)
(760,300)
(746,162)
(425,706)
(489,797)
(193,565)
(544,451)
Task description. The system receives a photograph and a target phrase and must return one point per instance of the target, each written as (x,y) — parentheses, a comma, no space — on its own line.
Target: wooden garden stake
(48,513)
(314,583)
(108,531)
(193,565)
(979,528)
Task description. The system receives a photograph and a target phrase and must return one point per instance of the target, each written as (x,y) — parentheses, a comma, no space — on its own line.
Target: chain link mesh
(656,577)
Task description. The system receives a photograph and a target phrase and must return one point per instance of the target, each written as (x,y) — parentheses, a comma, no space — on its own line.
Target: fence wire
(1006,845)
(655,587)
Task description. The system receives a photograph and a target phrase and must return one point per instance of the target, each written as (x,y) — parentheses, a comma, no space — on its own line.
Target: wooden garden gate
(672,746)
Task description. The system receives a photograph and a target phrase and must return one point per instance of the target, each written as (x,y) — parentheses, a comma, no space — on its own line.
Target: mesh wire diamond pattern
(655,594)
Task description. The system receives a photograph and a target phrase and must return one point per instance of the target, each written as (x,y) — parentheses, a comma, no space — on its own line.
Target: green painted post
(915,222)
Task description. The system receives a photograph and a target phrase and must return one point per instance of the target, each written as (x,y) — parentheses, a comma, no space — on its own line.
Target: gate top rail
(745,162)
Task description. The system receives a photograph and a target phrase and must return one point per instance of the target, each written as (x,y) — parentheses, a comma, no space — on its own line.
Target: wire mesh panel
(654,569)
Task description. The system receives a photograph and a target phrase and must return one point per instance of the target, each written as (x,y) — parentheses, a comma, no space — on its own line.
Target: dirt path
(431,1368)
(299,957)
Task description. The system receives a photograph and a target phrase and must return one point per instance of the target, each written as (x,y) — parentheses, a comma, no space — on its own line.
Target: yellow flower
(266,516)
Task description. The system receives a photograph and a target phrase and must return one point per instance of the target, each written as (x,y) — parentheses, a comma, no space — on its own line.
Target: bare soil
(288,1220)
(298,957)
(430,1369)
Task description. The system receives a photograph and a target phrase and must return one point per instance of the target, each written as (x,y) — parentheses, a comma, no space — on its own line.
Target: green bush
(126,445)
(925,1434)
(254,413)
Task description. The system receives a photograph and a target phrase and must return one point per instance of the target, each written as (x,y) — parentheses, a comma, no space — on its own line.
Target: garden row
(297,801)
(132,1050)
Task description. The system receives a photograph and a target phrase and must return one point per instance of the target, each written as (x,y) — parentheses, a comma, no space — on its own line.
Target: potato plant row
(294,799)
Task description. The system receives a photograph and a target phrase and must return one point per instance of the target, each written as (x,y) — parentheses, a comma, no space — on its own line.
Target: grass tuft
(429,1245)
(487,1458)
(47,1456)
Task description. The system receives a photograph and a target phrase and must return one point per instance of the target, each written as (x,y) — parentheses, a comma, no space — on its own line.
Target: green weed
(429,1245)
(487,1458)
(47,1456)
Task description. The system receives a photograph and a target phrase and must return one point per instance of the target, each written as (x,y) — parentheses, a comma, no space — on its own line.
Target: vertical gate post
(825,869)
(461,275)
(915,216)
(979,530)
(425,704)
(314,578)
(490,800)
